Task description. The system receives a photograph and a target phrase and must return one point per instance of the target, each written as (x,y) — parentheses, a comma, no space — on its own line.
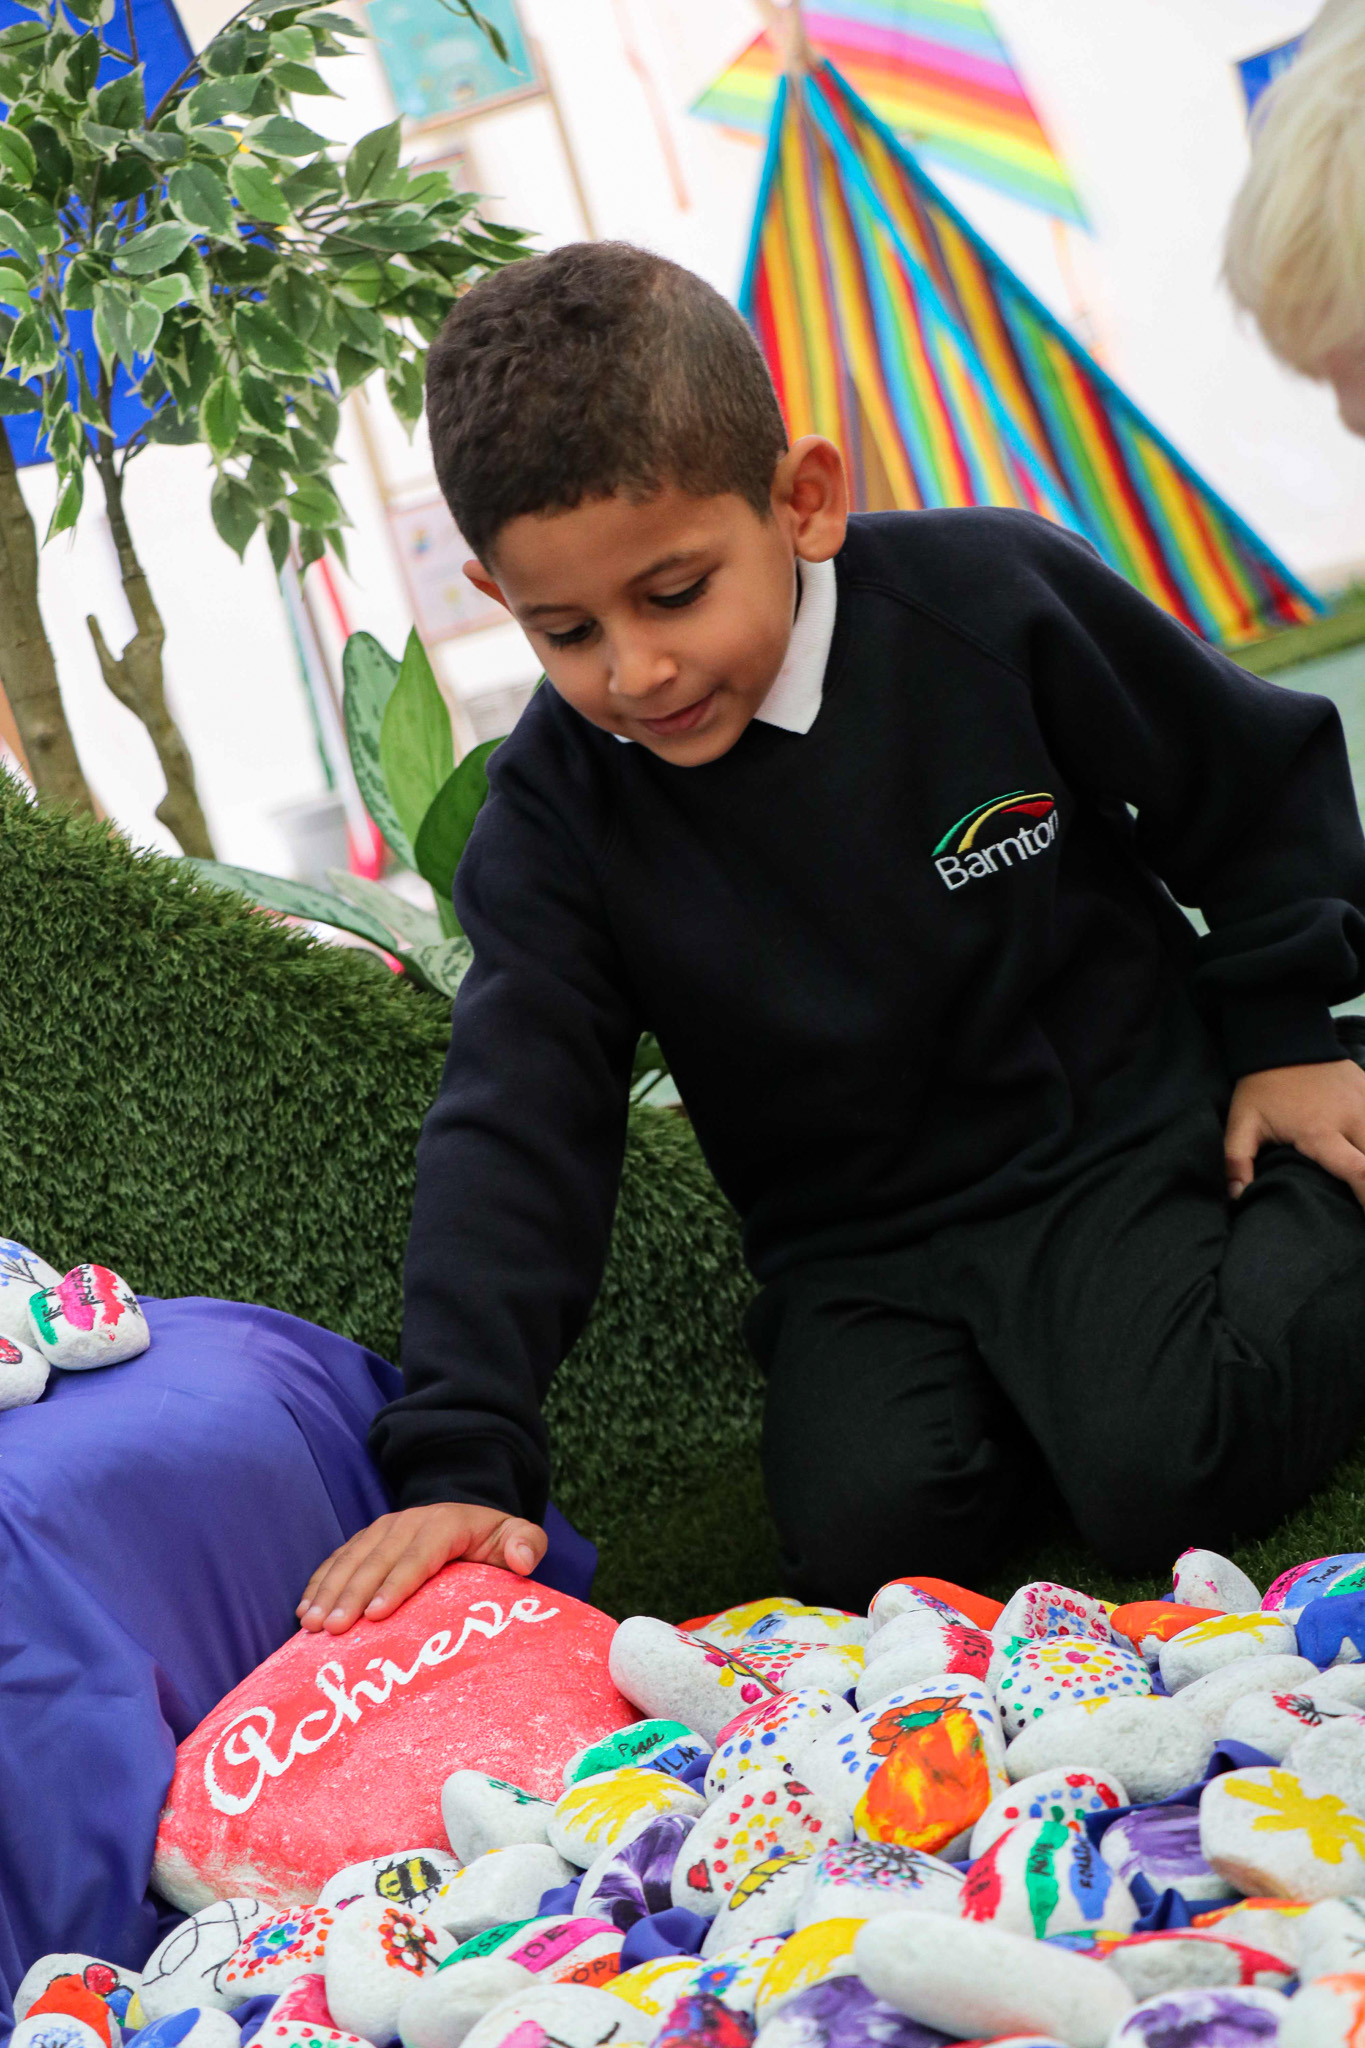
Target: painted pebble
(801,1667)
(189,1966)
(200,2027)
(373,1955)
(765,1901)
(90,1317)
(655,1988)
(55,2030)
(306,2034)
(1046,1877)
(1331,1938)
(1049,1795)
(115,1986)
(650,1745)
(1161,1845)
(905,1596)
(1147,1624)
(769,1616)
(698,2021)
(958,1602)
(984,1981)
(1210,1645)
(600,1813)
(569,2015)
(734,1976)
(668,1673)
(1232,2019)
(1186,1959)
(1045,1609)
(75,1999)
(773,1734)
(1273,1721)
(904,1629)
(1268,1836)
(826,1627)
(1152,1745)
(1327,2014)
(440,2009)
(818,1953)
(505,1884)
(22,1274)
(1201,1578)
(276,1949)
(1208,1699)
(1062,1671)
(480,1813)
(24,1373)
(919,1768)
(410,1877)
(842,2013)
(859,1880)
(1345,1682)
(1331,1758)
(630,1881)
(932,1649)
(765,1813)
(1268,1924)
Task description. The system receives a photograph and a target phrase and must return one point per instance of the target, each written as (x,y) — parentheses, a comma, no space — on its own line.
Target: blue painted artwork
(440,62)
(1260,71)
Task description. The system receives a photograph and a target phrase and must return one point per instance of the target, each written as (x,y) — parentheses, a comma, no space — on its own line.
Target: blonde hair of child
(1295,256)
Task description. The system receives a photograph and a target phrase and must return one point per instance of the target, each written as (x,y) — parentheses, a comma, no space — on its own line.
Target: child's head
(1296,240)
(607,437)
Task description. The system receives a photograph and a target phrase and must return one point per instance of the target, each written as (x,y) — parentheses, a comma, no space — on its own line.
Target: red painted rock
(336,1747)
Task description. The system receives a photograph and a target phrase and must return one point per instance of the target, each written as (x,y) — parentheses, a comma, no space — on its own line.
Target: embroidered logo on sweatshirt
(1003,832)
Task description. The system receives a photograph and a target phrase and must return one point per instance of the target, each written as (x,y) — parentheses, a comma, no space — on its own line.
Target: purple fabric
(676,1932)
(158,1522)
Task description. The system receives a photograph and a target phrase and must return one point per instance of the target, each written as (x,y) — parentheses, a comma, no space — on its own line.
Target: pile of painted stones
(1055,1823)
(87,1317)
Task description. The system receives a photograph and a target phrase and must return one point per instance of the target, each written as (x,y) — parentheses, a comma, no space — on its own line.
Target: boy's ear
(481,580)
(810,494)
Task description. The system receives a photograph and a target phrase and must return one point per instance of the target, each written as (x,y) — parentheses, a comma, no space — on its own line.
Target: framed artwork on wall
(440,66)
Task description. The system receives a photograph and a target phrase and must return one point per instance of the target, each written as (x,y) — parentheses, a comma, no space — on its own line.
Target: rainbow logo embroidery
(1004,831)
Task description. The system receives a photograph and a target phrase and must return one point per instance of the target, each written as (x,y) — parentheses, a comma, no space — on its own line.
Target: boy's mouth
(680,721)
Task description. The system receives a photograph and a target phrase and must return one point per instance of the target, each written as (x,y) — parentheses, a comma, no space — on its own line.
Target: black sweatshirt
(912,967)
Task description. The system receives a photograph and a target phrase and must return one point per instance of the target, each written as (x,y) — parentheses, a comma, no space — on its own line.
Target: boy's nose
(638,673)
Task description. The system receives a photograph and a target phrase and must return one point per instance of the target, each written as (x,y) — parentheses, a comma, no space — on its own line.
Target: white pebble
(480,1813)
(1202,1578)
(1152,1745)
(1208,1699)
(409,1877)
(1331,1938)
(670,1674)
(975,1980)
(23,1373)
(1329,2014)
(55,2030)
(1332,1759)
(188,1967)
(22,1273)
(505,1884)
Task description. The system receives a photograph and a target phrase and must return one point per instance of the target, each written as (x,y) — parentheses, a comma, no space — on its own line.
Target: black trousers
(1187,1370)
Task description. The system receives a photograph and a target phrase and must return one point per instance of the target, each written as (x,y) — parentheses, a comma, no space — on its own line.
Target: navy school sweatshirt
(915,966)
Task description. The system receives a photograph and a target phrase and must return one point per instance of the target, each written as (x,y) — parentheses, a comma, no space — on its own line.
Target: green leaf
(416,750)
(17,160)
(445,830)
(14,288)
(314,503)
(17,397)
(120,103)
(408,924)
(255,189)
(165,292)
(220,415)
(369,673)
(298,301)
(68,507)
(277,539)
(302,78)
(76,67)
(293,899)
(443,967)
(263,404)
(234,514)
(244,263)
(32,349)
(295,43)
(279,136)
(405,390)
(153,249)
(373,161)
(96,12)
(216,97)
(15,240)
(198,195)
(269,342)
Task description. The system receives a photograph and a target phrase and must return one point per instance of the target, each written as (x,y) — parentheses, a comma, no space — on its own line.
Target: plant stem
(27,666)
(136,676)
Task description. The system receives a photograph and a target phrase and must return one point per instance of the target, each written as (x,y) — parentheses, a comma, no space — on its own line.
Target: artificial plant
(239,272)
(424,803)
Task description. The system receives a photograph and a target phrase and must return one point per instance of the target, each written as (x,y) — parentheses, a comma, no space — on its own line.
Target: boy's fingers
(362,1562)
(519,1545)
(1342,1158)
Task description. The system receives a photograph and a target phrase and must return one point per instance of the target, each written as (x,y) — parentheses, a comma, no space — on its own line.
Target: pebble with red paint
(668,1673)
(862,1879)
(22,1274)
(1046,1609)
(1049,1795)
(772,1735)
(107,1981)
(1062,1671)
(189,1966)
(764,1813)
(276,1949)
(919,1768)
(902,1658)
(24,1374)
(765,1901)
(374,1954)
(91,1317)
(1208,1699)
(1045,1877)
(1189,1959)
(1204,1578)
(1273,1721)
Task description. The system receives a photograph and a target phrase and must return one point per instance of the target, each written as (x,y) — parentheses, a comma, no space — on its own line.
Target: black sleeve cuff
(478,1470)
(1277,1028)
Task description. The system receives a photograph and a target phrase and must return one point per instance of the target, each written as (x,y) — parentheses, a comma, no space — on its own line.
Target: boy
(877,823)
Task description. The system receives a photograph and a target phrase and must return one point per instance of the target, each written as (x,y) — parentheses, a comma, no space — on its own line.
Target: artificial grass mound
(214,1103)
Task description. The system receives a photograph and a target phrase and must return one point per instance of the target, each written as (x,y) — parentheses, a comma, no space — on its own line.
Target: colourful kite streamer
(891,327)
(936,72)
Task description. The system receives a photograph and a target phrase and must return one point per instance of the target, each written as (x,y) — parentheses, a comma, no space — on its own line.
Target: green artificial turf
(216,1104)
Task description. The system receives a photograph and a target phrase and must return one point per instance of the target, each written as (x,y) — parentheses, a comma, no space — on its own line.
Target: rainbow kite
(892,328)
(936,72)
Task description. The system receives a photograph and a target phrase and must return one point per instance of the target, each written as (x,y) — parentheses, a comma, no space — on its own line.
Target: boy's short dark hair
(595,369)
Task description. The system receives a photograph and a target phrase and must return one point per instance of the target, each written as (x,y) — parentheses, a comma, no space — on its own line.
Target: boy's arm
(518,1168)
(1245,808)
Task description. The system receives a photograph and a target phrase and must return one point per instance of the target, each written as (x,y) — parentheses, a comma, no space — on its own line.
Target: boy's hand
(1319,1110)
(380,1567)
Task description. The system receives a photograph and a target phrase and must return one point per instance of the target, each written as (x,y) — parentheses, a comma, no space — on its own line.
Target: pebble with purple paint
(1213,2019)
(630,1881)
(1161,1845)
(603,1812)
(842,2013)
(649,1745)
(862,1879)
(1062,1671)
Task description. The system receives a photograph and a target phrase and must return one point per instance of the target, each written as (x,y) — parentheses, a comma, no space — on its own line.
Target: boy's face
(666,620)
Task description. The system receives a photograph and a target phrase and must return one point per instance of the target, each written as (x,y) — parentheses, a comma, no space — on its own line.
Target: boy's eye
(674,600)
(573,637)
